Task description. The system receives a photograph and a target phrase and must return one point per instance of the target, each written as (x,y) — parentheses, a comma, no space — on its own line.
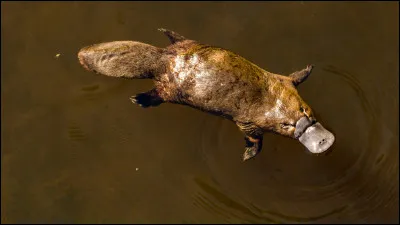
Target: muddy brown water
(75,149)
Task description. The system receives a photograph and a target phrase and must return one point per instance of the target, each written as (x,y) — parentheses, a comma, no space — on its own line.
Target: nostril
(322,141)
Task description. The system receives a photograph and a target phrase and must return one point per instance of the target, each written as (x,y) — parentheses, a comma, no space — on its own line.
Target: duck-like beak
(314,136)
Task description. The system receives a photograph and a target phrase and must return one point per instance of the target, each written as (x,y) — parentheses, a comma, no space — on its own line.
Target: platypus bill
(216,81)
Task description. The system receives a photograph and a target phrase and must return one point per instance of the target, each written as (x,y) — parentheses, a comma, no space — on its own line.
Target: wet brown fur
(214,80)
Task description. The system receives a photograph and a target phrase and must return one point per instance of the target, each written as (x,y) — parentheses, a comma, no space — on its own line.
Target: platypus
(216,81)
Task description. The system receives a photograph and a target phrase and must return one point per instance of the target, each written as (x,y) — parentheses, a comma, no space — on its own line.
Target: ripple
(82,95)
(224,205)
(369,111)
(75,133)
(357,193)
(354,83)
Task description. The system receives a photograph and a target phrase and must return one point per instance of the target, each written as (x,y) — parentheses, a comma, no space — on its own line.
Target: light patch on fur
(217,56)
(276,111)
(179,68)
(305,113)
(194,59)
(202,80)
(182,69)
(272,87)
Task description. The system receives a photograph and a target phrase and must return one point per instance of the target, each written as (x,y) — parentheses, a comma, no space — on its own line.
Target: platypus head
(287,114)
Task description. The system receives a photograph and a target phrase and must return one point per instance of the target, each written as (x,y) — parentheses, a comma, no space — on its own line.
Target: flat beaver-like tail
(127,59)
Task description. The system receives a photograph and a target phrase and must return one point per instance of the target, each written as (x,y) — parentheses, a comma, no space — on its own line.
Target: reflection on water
(354,83)
(74,148)
(233,211)
(232,206)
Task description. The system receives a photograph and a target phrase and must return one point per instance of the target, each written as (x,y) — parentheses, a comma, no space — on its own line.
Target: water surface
(75,149)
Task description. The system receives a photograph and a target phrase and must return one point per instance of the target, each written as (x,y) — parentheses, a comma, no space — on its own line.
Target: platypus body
(216,81)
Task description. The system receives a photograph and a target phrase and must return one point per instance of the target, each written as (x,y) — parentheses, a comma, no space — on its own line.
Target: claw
(133,99)
(249,153)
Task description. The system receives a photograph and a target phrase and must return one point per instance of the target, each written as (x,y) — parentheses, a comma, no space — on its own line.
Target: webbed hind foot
(172,35)
(299,77)
(253,138)
(253,147)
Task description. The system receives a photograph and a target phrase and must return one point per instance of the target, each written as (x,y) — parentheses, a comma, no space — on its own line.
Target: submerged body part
(217,81)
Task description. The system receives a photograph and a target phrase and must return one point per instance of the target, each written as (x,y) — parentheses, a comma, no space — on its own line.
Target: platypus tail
(127,59)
